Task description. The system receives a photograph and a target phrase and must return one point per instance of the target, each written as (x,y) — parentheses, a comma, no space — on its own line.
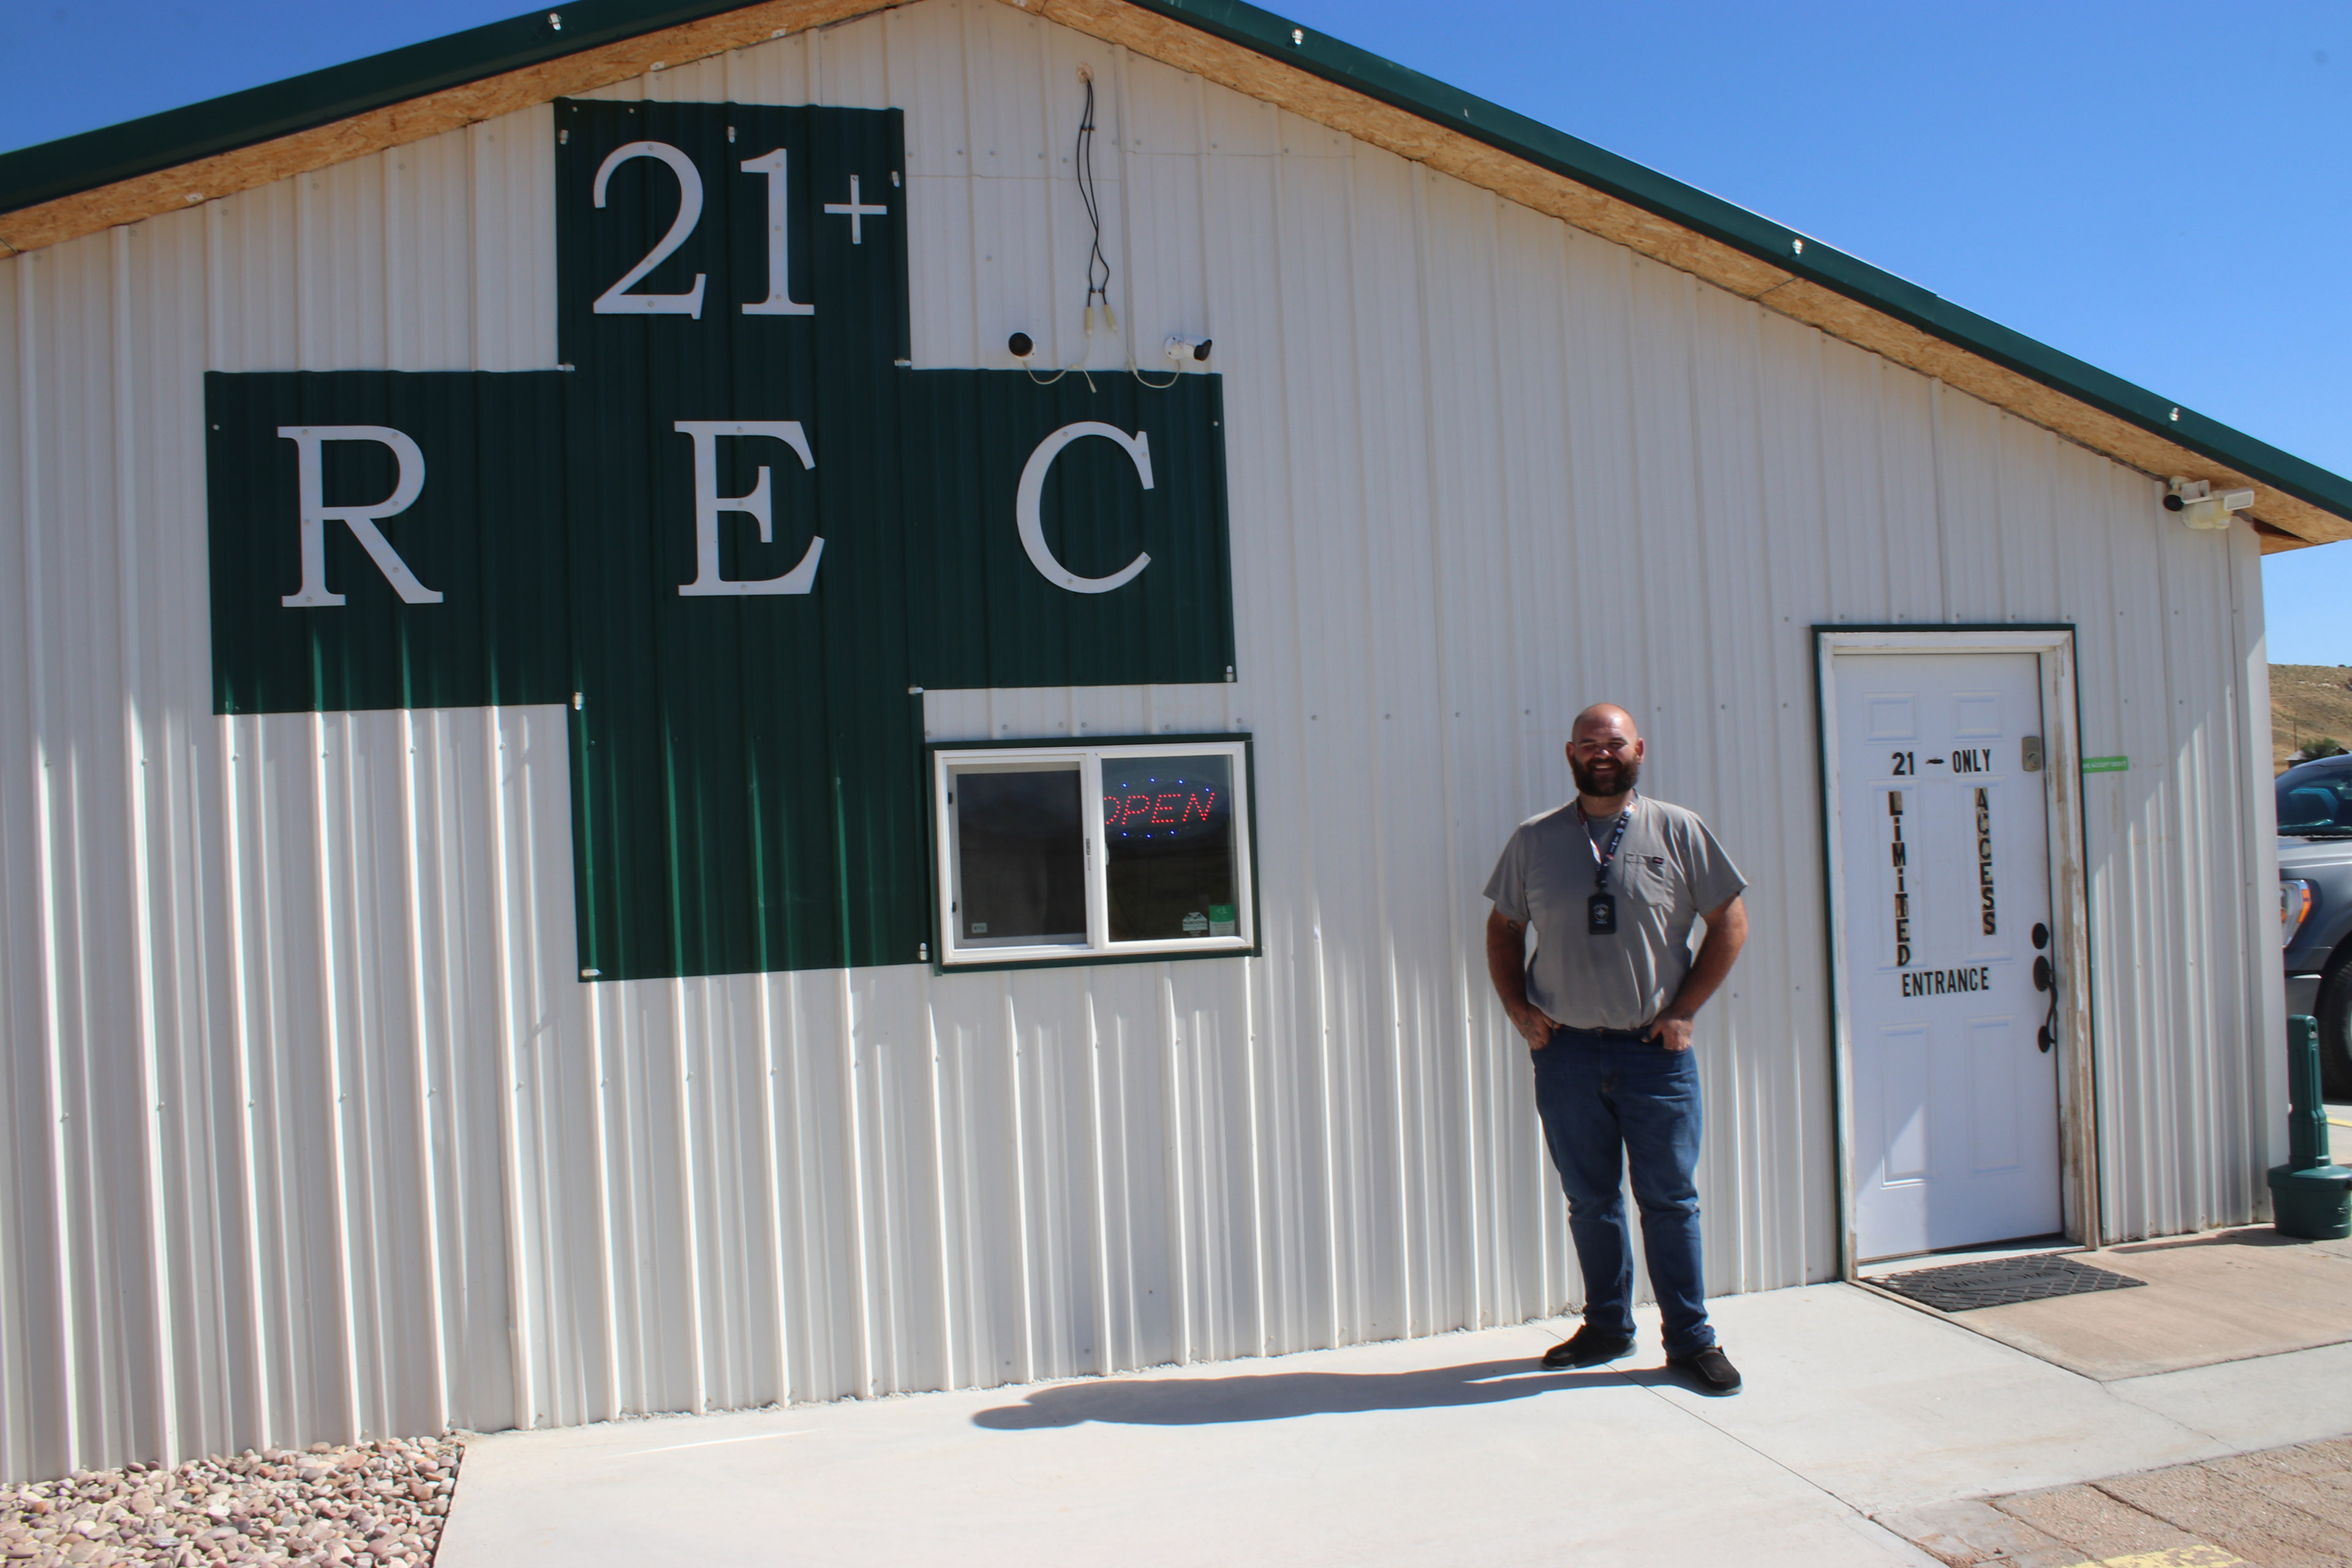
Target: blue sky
(2158,188)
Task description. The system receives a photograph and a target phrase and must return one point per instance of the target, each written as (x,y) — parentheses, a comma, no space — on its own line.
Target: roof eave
(1800,254)
(124,172)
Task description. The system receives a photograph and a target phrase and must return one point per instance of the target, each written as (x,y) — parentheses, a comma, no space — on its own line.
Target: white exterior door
(1944,907)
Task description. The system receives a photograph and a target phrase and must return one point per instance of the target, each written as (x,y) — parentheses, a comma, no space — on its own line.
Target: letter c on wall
(1138,447)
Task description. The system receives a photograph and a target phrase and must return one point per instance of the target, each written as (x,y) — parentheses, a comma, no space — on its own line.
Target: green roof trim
(34,175)
(1759,236)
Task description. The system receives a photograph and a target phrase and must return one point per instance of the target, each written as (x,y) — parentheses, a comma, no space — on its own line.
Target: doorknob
(2043,978)
(2046,979)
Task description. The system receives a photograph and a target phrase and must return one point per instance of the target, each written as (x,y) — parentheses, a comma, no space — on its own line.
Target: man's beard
(1620,776)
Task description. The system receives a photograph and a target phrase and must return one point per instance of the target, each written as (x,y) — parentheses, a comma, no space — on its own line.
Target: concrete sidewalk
(1456,1448)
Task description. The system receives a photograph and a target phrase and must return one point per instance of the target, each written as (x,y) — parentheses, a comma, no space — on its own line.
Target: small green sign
(2107,764)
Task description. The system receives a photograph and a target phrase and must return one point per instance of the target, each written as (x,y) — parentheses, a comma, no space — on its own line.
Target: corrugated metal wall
(310,1130)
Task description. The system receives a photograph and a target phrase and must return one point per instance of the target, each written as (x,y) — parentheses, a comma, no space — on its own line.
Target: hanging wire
(1098,264)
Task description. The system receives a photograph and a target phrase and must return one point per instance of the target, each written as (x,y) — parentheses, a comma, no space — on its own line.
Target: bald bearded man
(1613,882)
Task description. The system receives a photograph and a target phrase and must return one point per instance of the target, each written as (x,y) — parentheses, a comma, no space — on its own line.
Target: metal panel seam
(775,1194)
(689,1195)
(428,1194)
(940,1184)
(607,1278)
(1097,1171)
(1180,1251)
(331,1041)
(852,1125)
(521,1304)
(141,889)
(45,825)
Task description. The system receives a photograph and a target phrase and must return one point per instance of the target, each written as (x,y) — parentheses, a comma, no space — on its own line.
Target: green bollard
(2311,1197)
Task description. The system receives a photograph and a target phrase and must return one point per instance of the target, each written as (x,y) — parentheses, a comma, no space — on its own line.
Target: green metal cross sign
(735,534)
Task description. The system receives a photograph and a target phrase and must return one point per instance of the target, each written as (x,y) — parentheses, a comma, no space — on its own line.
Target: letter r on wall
(310,474)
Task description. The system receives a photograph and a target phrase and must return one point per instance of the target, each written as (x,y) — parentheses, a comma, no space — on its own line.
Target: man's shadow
(1275,1397)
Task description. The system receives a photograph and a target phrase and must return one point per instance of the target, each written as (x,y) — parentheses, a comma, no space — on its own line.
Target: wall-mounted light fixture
(2197,505)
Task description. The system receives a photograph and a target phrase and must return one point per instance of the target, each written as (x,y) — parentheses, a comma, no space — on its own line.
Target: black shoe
(1589,1347)
(1709,1368)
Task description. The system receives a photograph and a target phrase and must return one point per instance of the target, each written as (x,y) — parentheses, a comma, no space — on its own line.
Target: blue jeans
(1611,1101)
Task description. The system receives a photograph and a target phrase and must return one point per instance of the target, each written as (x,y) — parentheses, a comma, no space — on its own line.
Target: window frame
(941,756)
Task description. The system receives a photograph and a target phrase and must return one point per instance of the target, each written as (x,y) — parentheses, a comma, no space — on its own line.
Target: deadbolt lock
(2030,748)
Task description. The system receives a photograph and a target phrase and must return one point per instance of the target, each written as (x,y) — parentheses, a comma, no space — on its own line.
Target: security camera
(1187,350)
(2197,505)
(1020,346)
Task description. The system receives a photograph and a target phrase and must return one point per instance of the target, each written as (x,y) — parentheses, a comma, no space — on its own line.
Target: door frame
(2078,1137)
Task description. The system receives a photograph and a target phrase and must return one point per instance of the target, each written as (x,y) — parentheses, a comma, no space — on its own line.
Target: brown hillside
(2308,700)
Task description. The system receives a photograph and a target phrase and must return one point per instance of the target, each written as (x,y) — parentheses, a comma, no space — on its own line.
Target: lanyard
(1600,859)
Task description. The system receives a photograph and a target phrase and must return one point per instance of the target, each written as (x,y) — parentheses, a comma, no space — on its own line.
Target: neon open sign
(1151,810)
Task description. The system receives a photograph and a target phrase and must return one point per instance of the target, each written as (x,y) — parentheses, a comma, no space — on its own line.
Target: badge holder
(1600,909)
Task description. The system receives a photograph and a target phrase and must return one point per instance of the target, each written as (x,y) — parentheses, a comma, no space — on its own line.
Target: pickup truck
(2314,825)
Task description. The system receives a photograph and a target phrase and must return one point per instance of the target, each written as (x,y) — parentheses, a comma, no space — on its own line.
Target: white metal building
(321,1116)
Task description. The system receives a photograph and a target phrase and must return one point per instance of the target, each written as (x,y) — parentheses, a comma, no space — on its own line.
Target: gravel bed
(376,1505)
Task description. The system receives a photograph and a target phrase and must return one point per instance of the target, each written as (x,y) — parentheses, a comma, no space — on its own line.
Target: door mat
(2002,1282)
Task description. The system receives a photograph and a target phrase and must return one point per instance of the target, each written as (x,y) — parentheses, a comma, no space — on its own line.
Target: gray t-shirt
(1668,871)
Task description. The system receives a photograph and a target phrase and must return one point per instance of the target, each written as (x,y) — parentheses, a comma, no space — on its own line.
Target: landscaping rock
(368,1506)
